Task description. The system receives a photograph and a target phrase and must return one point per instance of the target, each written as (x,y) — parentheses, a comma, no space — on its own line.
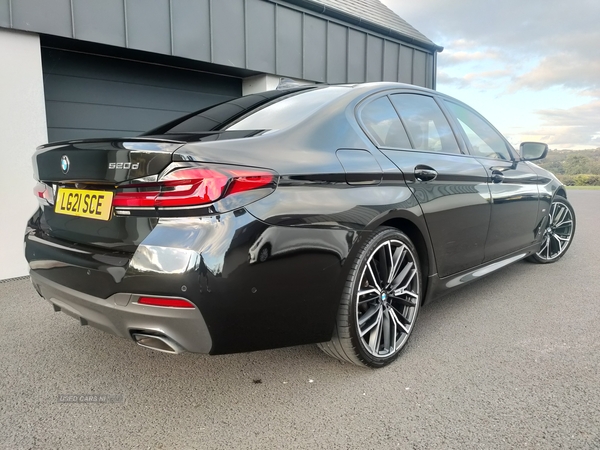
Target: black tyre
(264,253)
(380,301)
(559,232)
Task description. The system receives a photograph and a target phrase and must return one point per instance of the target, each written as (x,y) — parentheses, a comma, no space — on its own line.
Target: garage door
(98,96)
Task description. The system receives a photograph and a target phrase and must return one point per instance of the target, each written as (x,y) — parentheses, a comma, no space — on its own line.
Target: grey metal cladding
(289,42)
(405,64)
(281,37)
(260,33)
(149,28)
(228,32)
(376,12)
(420,68)
(430,77)
(357,45)
(191,34)
(315,49)
(100,21)
(48,16)
(374,58)
(5,13)
(337,54)
(391,53)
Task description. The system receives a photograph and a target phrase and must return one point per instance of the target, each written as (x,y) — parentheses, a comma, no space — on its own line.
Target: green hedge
(580,180)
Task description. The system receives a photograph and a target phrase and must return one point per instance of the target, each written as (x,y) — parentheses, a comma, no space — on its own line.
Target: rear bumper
(121,315)
(241,304)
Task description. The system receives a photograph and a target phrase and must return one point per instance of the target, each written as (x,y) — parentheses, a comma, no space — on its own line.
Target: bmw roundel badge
(64,163)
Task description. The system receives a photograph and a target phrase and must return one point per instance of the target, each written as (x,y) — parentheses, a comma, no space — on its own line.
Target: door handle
(425,173)
(497,176)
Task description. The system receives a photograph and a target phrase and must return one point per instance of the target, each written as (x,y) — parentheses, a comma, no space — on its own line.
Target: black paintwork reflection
(514,208)
(456,205)
(360,167)
(335,205)
(548,186)
(279,241)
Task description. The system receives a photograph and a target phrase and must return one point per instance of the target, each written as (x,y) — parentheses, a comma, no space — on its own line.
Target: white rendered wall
(22,129)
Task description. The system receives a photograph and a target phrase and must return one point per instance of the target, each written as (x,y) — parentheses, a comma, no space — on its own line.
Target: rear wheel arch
(373,325)
(422,246)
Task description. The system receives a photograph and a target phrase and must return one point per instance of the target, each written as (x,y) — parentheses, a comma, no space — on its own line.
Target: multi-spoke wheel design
(558,233)
(387,300)
(380,302)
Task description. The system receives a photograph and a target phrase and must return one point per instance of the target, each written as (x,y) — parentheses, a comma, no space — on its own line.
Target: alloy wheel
(558,233)
(388,299)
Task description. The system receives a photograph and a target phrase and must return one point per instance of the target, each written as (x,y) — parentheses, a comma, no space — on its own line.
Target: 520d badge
(127,166)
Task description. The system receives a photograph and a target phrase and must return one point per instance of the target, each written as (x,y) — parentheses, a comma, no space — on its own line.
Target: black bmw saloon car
(321,214)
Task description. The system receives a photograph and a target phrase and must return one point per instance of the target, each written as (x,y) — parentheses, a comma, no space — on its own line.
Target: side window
(383,123)
(426,124)
(485,141)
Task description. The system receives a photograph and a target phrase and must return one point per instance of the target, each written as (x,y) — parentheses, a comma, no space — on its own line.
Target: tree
(576,164)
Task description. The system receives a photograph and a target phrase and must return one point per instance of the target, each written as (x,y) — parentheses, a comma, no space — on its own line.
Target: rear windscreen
(288,111)
(216,117)
(271,110)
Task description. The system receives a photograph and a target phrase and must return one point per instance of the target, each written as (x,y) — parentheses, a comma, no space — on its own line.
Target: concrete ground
(512,361)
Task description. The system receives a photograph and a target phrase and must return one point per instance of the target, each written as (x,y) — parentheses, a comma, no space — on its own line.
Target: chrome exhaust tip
(158,343)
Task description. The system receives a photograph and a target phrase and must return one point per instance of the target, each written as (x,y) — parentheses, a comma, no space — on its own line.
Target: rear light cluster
(43,193)
(193,186)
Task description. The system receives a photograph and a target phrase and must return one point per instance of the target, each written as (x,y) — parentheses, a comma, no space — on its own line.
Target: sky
(531,67)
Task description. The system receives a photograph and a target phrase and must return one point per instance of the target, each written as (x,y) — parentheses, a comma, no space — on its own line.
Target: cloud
(514,32)
(584,115)
(525,26)
(486,80)
(590,92)
(576,127)
(513,46)
(451,58)
(563,69)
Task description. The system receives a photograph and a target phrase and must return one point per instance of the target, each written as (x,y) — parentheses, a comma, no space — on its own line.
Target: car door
(513,184)
(412,131)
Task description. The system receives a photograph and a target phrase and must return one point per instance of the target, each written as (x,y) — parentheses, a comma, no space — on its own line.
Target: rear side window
(383,124)
(484,140)
(288,111)
(426,124)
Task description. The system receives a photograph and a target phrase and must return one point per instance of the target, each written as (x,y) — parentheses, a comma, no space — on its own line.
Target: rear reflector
(165,302)
(193,186)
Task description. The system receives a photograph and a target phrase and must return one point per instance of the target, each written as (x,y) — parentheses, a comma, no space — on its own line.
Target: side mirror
(531,151)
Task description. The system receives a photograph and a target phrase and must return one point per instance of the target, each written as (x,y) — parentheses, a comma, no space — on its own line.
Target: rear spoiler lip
(108,139)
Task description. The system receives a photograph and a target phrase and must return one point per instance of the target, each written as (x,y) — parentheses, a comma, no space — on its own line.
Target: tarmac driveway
(512,361)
